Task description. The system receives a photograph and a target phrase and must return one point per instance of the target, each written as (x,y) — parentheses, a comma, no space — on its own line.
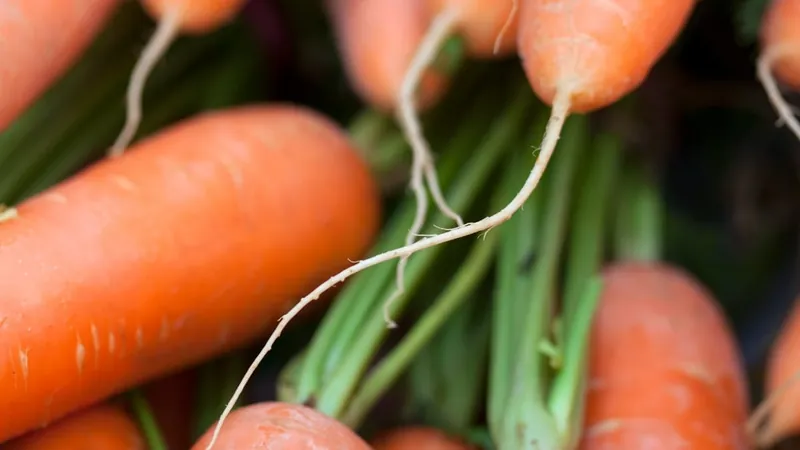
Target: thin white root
(440,29)
(559,114)
(784,110)
(7,213)
(759,416)
(163,36)
(499,39)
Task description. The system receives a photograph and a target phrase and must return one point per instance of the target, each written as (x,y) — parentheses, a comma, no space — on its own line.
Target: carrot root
(758,427)
(165,33)
(510,20)
(440,29)
(764,65)
(560,111)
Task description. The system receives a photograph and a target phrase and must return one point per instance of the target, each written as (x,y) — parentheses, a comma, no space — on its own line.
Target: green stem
(639,222)
(581,286)
(333,396)
(343,323)
(526,403)
(147,422)
(393,365)
(590,219)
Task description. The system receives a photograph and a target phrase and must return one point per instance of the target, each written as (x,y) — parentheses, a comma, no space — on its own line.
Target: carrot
(102,427)
(377,40)
(174,16)
(781,391)
(281,426)
(780,40)
(183,249)
(685,385)
(40,41)
(418,438)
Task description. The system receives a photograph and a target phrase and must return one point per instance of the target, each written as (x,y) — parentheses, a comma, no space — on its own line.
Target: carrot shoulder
(41,38)
(664,370)
(281,426)
(188,246)
(101,427)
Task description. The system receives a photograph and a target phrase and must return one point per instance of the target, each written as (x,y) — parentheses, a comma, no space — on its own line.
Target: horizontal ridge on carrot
(187,246)
(281,426)
(102,427)
(41,39)
(780,53)
(173,16)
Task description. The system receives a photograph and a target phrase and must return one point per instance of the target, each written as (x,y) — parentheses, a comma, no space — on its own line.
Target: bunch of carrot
(133,284)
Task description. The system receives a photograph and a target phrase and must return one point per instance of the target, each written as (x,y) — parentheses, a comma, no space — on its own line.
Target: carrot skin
(480,24)
(598,50)
(418,438)
(664,369)
(196,16)
(281,426)
(779,29)
(377,40)
(41,39)
(782,369)
(101,427)
(190,245)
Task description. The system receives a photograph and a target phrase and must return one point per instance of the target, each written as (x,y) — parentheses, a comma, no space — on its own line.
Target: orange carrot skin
(782,369)
(378,40)
(102,427)
(480,23)
(40,40)
(281,426)
(664,369)
(187,246)
(779,29)
(599,50)
(418,438)
(196,16)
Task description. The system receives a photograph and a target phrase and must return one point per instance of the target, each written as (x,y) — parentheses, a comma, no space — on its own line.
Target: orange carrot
(281,426)
(186,247)
(664,372)
(488,27)
(101,427)
(377,39)
(174,16)
(40,40)
(780,52)
(418,438)
(782,388)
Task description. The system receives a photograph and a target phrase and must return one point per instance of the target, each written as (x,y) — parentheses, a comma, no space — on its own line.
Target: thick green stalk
(527,419)
(581,285)
(639,221)
(334,396)
(466,280)
(343,322)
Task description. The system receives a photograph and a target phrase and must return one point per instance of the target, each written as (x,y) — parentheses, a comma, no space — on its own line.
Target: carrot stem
(639,221)
(334,396)
(147,421)
(525,403)
(343,324)
(582,285)
(469,275)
